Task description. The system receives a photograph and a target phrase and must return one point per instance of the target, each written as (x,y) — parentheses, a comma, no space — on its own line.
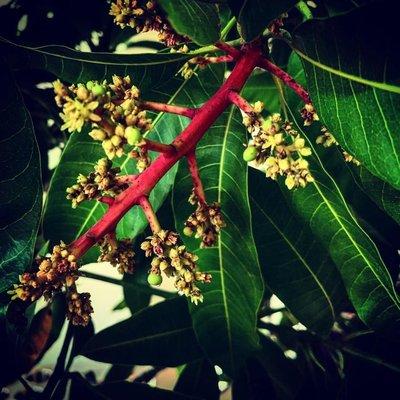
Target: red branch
(160,147)
(240,102)
(225,47)
(169,108)
(184,143)
(194,172)
(285,78)
(149,213)
(218,59)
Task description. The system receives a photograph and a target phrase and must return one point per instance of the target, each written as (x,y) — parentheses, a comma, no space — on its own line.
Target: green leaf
(199,21)
(353,80)
(254,16)
(295,267)
(384,195)
(20,183)
(148,71)
(367,281)
(199,379)
(158,335)
(232,300)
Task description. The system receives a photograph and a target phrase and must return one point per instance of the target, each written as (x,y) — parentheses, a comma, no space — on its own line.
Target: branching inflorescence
(117,117)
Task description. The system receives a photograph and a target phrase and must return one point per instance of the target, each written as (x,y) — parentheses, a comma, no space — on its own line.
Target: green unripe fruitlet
(154,279)
(250,154)
(187,231)
(98,90)
(89,85)
(133,135)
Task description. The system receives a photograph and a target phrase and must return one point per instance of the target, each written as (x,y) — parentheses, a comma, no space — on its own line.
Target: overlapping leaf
(199,21)
(232,299)
(161,335)
(367,281)
(20,183)
(294,265)
(353,76)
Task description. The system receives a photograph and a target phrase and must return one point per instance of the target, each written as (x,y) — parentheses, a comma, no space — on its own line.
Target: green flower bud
(98,90)
(250,154)
(154,279)
(89,85)
(133,135)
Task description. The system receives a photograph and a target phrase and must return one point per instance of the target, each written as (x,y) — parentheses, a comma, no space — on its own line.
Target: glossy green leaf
(232,299)
(199,21)
(384,195)
(199,379)
(367,281)
(20,183)
(294,265)
(148,71)
(254,16)
(157,335)
(353,80)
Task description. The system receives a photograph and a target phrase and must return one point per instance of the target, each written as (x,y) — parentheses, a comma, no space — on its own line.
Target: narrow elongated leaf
(294,265)
(148,71)
(157,335)
(355,87)
(232,299)
(384,195)
(367,281)
(199,379)
(20,183)
(199,21)
(254,15)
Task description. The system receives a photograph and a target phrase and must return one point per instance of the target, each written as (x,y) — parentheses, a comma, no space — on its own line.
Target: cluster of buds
(277,148)
(144,16)
(79,307)
(102,182)
(276,25)
(119,253)
(309,114)
(56,271)
(141,155)
(326,139)
(172,259)
(113,110)
(205,223)
(187,70)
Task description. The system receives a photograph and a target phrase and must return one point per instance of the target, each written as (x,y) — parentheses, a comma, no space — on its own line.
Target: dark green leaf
(199,379)
(20,183)
(157,335)
(199,21)
(295,267)
(353,76)
(368,282)
(255,15)
(384,195)
(232,299)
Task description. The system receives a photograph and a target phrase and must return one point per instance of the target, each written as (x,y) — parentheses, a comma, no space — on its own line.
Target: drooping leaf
(232,299)
(148,71)
(293,261)
(384,195)
(20,183)
(199,21)
(198,379)
(254,16)
(157,335)
(354,83)
(367,281)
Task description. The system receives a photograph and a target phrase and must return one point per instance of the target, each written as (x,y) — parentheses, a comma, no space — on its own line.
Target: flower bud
(133,135)
(250,153)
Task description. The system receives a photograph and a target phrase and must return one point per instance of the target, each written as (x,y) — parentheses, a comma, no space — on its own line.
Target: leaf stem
(168,108)
(227,28)
(194,172)
(304,9)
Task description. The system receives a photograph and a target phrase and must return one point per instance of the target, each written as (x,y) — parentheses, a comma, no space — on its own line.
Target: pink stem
(194,172)
(160,147)
(106,200)
(285,78)
(149,213)
(236,99)
(225,47)
(168,108)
